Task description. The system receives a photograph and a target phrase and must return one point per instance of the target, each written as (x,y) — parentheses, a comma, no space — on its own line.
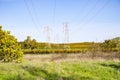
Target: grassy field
(34,68)
(59,48)
(79,45)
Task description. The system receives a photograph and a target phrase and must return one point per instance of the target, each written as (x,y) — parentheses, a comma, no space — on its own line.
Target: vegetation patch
(80,70)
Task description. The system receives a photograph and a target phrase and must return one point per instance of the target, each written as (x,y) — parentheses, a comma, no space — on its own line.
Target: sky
(87,20)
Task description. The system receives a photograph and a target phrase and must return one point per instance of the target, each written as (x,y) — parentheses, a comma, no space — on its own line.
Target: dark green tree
(34,44)
(108,45)
(10,50)
(27,43)
(117,41)
(30,43)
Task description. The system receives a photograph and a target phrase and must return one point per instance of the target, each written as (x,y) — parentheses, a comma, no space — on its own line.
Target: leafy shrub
(9,48)
(108,45)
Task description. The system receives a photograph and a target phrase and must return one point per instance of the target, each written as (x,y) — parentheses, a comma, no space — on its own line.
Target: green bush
(108,45)
(9,48)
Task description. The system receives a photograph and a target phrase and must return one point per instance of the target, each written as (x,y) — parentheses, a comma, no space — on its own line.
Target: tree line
(106,46)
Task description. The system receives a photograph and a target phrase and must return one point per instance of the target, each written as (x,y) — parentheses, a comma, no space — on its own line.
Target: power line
(30,13)
(54,12)
(91,10)
(90,19)
(83,9)
(87,14)
(35,13)
(104,5)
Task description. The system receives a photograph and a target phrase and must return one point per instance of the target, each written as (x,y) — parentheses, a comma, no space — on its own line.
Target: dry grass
(72,57)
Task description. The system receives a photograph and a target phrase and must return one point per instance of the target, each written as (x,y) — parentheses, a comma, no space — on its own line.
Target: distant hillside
(116,39)
(81,45)
(40,47)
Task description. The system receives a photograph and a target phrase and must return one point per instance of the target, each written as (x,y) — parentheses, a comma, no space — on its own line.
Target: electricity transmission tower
(56,39)
(47,31)
(66,35)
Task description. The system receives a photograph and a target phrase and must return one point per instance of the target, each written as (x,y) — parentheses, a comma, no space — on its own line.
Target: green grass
(79,70)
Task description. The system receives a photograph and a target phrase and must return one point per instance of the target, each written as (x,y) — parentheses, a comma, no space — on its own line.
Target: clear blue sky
(88,20)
